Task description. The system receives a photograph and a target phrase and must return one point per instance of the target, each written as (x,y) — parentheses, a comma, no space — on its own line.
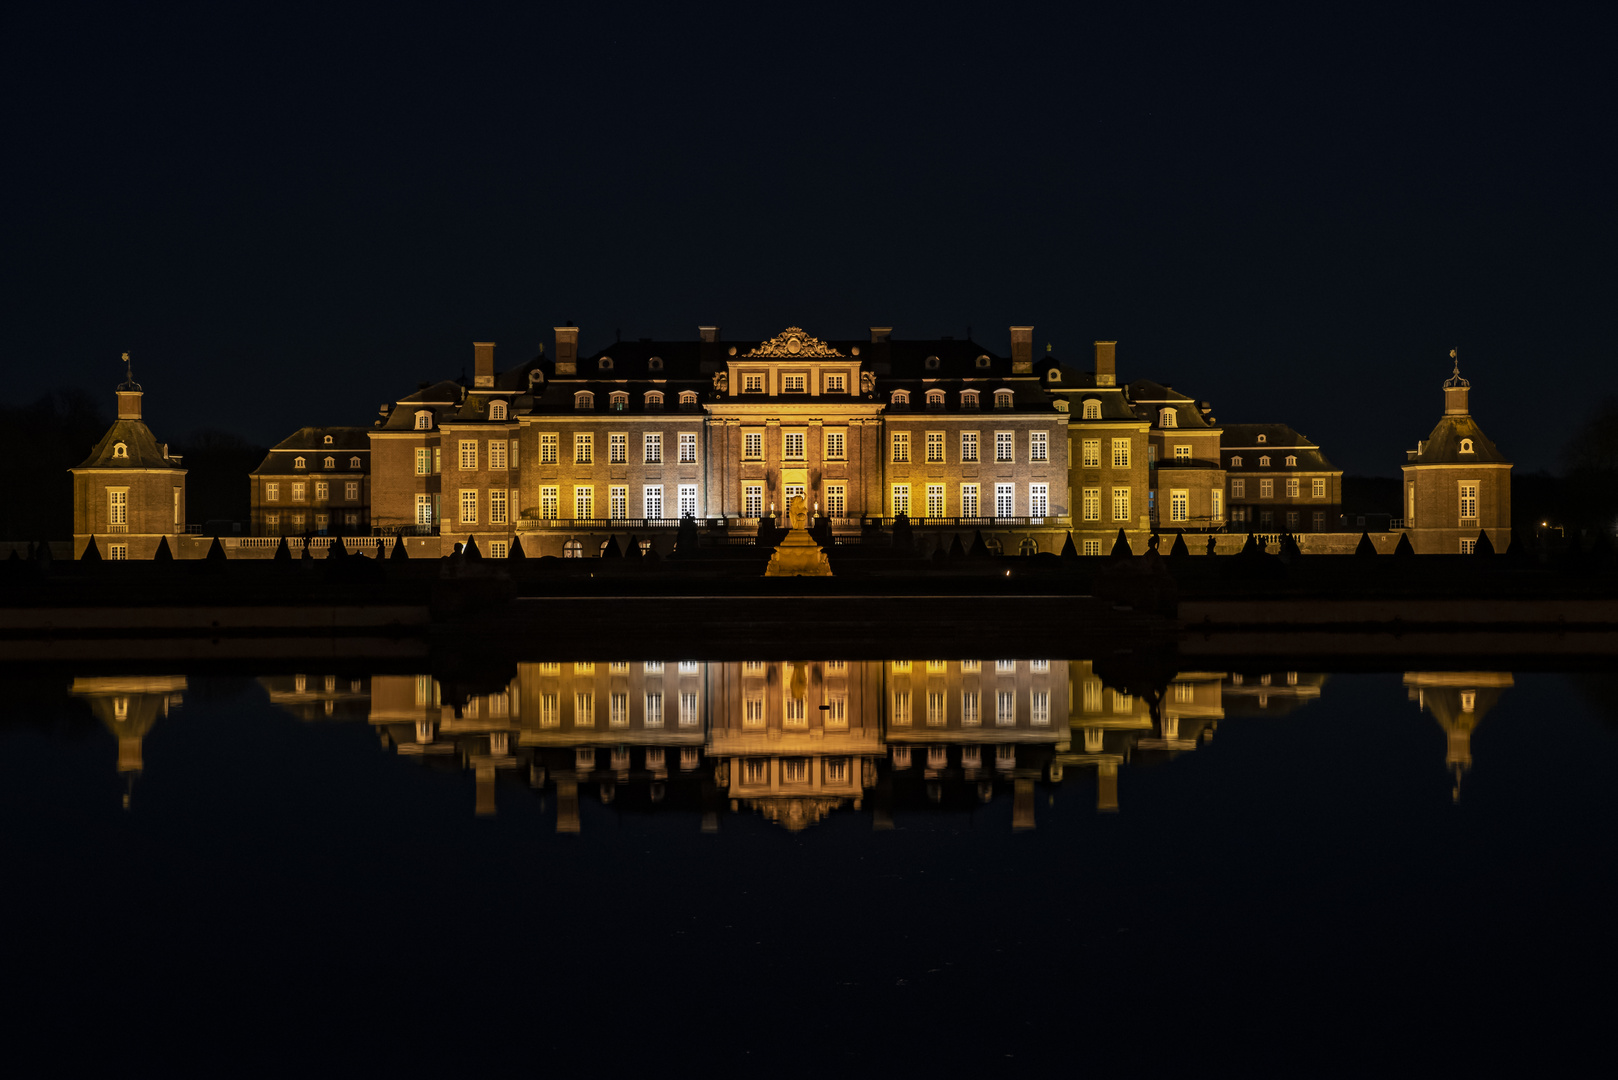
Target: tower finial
(1455,375)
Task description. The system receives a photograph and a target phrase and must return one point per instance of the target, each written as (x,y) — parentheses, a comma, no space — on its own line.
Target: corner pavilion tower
(1457,484)
(130,492)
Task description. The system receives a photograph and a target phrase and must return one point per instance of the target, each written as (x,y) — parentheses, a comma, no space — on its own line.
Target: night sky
(291,213)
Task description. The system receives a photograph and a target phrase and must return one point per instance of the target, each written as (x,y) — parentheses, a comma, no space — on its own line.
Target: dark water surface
(1246,871)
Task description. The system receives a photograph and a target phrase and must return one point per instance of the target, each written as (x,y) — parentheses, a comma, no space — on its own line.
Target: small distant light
(1008,573)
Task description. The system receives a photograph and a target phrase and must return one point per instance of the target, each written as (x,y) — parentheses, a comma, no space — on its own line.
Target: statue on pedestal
(798,555)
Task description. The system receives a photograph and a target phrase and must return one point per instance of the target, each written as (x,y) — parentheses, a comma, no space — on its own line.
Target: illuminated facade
(129,494)
(1457,484)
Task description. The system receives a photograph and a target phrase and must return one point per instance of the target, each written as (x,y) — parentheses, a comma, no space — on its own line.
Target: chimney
(709,334)
(880,334)
(1022,350)
(483,363)
(1106,363)
(567,350)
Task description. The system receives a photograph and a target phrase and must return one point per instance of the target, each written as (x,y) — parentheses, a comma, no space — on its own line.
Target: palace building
(316,480)
(129,494)
(1279,480)
(1457,483)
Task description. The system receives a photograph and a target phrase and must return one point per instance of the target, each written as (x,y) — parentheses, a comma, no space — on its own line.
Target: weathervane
(1455,376)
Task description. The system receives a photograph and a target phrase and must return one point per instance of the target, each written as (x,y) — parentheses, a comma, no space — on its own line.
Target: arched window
(969,399)
(1167,417)
(655,364)
(688,397)
(326,441)
(1092,409)
(572,550)
(119,450)
(497,410)
(1054,375)
(654,399)
(1003,399)
(935,399)
(584,400)
(983,361)
(1235,461)
(931,363)
(1029,546)
(618,401)
(1263,438)
(354,462)
(297,463)
(1291,460)
(1466,446)
(1264,460)
(605,363)
(331,463)
(535,376)
(901,397)
(424,420)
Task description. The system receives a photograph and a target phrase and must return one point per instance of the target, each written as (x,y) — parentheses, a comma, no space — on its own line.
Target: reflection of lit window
(618,710)
(901,708)
(1183,691)
(836,712)
(690,757)
(654,709)
(756,771)
(1005,757)
(937,757)
(584,709)
(837,770)
(1122,703)
(1093,740)
(968,667)
(688,708)
(796,712)
(120,708)
(936,714)
(549,712)
(753,712)
(1005,707)
(795,770)
(901,757)
(1469,700)
(1092,695)
(970,717)
(1039,707)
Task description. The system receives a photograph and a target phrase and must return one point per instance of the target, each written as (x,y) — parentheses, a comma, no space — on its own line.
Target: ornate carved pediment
(793,344)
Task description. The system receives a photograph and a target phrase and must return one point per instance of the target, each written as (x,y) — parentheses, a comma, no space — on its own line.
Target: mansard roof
(1280,441)
(1154,397)
(443,392)
(1079,385)
(142,447)
(1443,446)
(311,442)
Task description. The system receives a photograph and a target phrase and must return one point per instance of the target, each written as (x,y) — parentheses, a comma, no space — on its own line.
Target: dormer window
(298,463)
(1053,375)
(935,399)
(982,362)
(1235,461)
(654,399)
(688,397)
(655,364)
(618,401)
(1264,462)
(1263,438)
(497,410)
(424,421)
(1291,460)
(1167,417)
(931,363)
(584,400)
(535,377)
(1092,409)
(969,399)
(354,462)
(605,363)
(1003,399)
(331,463)
(119,450)
(1466,446)
(901,397)
(326,441)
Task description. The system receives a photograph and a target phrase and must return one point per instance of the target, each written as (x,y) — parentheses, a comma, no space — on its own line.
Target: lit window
(835,384)
(935,399)
(1120,453)
(1091,453)
(583,447)
(424,421)
(753,501)
(901,446)
(497,453)
(469,507)
(322,491)
(935,446)
(835,500)
(1120,504)
(1180,505)
(547,449)
(272,491)
(1167,417)
(654,448)
(901,397)
(1038,500)
(834,445)
(584,400)
(752,445)
(1038,446)
(688,397)
(969,501)
(901,500)
(1002,446)
(969,446)
(1266,489)
(688,448)
(654,400)
(618,401)
(1182,453)
(1292,487)
(469,453)
(793,384)
(1317,488)
(497,410)
(752,384)
(1092,409)
(792,448)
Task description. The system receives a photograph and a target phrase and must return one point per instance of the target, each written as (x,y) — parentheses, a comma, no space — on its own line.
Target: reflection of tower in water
(129,706)
(1458,700)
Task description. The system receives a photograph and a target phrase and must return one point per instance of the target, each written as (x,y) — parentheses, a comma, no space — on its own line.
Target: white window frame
(935,500)
(688,448)
(1091,504)
(1120,453)
(1039,446)
(1121,504)
(901,447)
(1091,453)
(548,443)
(836,445)
(1039,500)
(584,448)
(653,444)
(1005,446)
(969,500)
(836,500)
(652,499)
(901,500)
(469,506)
(1005,500)
(969,448)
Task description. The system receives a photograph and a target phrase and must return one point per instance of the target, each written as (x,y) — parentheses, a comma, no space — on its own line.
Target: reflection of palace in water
(792,741)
